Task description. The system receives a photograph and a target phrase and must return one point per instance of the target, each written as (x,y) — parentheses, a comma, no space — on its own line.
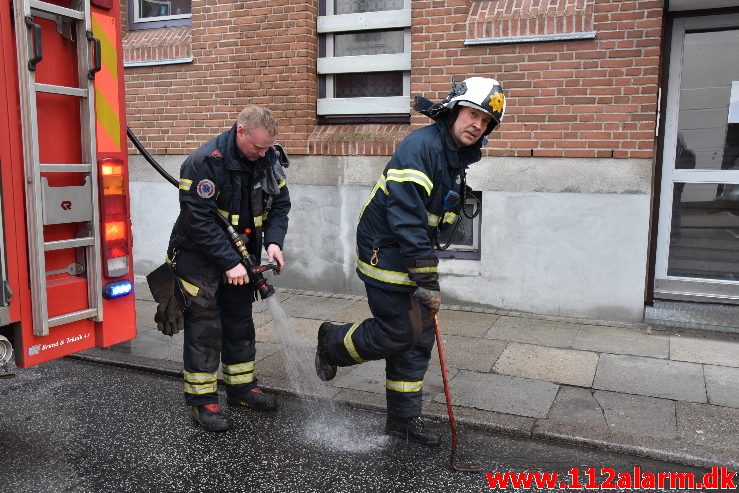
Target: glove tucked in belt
(166,291)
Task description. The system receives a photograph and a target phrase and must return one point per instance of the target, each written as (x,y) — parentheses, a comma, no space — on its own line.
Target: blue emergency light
(117,289)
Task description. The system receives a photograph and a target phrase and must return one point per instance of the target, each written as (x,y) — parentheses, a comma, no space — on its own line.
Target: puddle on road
(326,425)
(344,434)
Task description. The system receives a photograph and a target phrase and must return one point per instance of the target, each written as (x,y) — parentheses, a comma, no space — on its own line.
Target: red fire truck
(65,246)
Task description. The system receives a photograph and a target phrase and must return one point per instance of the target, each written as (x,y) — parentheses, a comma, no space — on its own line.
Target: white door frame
(673,287)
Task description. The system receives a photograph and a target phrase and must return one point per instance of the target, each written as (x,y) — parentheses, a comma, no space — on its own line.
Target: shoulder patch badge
(206,189)
(216,154)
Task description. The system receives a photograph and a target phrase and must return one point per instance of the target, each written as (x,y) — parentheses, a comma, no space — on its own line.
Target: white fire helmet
(481,93)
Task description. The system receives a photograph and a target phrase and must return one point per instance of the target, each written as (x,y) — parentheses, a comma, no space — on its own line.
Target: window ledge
(166,46)
(392,105)
(386,19)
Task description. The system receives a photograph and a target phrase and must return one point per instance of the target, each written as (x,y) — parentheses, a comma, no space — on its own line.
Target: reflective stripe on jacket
(406,205)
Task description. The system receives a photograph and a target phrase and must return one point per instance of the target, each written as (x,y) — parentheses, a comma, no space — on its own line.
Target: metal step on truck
(66,272)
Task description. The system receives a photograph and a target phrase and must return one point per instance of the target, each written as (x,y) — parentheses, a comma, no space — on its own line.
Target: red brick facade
(574,98)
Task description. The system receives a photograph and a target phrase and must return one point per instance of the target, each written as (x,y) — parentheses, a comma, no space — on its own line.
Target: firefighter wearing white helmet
(482,93)
(421,190)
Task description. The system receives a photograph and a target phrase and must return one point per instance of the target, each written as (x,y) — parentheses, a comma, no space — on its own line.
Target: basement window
(465,244)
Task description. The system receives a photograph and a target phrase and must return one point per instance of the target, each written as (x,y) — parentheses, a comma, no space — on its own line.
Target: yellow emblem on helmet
(496,102)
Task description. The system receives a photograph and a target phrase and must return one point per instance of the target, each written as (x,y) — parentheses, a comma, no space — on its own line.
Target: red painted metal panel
(11,173)
(59,142)
(119,313)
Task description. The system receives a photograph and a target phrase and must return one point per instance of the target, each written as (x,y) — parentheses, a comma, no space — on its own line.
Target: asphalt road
(72,426)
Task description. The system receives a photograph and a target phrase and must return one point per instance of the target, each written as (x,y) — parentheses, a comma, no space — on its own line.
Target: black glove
(166,291)
(429,299)
(170,316)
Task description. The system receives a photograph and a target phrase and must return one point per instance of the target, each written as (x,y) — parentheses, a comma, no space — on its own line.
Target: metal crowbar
(457,466)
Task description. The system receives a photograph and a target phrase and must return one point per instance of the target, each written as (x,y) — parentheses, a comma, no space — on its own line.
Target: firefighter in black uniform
(421,189)
(239,175)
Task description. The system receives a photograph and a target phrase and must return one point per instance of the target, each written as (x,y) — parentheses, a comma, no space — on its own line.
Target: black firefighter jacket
(217,179)
(396,228)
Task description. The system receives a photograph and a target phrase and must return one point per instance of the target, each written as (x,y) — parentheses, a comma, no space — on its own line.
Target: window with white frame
(364,60)
(151,14)
(464,240)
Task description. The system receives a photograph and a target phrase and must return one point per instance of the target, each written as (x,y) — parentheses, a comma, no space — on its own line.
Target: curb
(559,434)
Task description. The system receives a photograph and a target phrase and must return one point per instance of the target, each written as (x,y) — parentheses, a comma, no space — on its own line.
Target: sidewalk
(665,394)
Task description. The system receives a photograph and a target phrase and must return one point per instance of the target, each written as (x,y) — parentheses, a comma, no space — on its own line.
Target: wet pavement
(668,394)
(76,426)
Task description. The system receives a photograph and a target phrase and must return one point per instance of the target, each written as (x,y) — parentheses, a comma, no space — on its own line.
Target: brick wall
(244,52)
(577,98)
(591,98)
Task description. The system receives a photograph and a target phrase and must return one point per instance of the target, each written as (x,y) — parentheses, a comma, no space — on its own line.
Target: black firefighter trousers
(222,332)
(397,335)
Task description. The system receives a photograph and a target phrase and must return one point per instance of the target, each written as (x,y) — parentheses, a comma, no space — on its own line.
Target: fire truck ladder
(52,205)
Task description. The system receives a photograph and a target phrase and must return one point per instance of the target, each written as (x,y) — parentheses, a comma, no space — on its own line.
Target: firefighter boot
(255,399)
(412,429)
(324,368)
(210,417)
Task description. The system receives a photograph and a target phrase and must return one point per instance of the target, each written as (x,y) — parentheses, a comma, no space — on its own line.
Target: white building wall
(563,237)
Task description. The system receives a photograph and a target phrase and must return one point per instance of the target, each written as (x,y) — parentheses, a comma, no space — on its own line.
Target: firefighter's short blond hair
(255,116)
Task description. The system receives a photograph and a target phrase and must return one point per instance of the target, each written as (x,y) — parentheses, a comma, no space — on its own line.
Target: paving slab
(358,311)
(471,353)
(638,415)
(275,364)
(500,393)
(566,366)
(532,331)
(145,311)
(150,343)
(371,400)
(722,385)
(713,351)
(715,426)
(637,445)
(265,350)
(261,318)
(650,377)
(115,356)
(370,377)
(315,307)
(577,406)
(141,291)
(301,332)
(301,386)
(620,340)
(465,323)
(491,420)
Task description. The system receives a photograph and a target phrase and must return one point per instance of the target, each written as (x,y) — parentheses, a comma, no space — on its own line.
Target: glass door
(698,232)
